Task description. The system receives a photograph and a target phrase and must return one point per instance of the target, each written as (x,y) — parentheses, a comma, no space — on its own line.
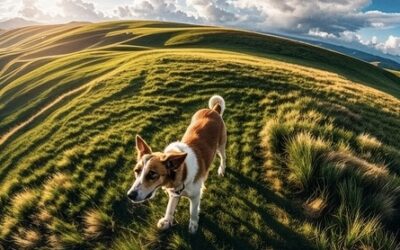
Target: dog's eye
(152,175)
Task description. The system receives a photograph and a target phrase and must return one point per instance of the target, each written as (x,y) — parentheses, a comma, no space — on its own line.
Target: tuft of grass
(55,186)
(304,154)
(383,202)
(351,165)
(23,203)
(65,235)
(368,142)
(350,194)
(358,229)
(126,241)
(98,224)
(27,239)
(316,204)
(274,135)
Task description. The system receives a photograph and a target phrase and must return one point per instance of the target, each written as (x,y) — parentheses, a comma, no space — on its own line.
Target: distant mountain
(374,59)
(14,23)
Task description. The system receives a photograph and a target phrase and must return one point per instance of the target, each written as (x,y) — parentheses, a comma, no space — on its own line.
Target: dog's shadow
(213,234)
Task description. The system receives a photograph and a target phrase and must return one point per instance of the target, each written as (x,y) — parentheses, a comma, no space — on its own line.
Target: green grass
(312,157)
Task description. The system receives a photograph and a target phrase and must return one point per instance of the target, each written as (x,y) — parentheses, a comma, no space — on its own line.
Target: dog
(183,167)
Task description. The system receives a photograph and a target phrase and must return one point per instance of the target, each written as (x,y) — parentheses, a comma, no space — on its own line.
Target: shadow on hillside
(278,236)
(288,238)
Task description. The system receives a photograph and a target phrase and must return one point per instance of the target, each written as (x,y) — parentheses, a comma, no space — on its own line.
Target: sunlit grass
(313,155)
(98,224)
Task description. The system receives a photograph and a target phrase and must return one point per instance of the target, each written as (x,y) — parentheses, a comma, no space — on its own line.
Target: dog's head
(152,170)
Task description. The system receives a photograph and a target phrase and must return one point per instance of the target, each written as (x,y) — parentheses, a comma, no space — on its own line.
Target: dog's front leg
(194,213)
(166,222)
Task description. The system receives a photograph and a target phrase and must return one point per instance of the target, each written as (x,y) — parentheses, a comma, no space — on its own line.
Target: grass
(312,154)
(97,224)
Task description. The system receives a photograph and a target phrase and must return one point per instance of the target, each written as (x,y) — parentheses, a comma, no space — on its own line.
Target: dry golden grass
(53,186)
(347,162)
(27,238)
(97,224)
(368,142)
(314,207)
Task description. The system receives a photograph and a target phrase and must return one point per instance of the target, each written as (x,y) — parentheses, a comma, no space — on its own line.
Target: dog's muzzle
(134,196)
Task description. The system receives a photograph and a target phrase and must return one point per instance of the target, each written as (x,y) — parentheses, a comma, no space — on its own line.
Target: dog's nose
(132,195)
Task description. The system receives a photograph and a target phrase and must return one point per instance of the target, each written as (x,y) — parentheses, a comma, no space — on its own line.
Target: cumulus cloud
(30,10)
(319,33)
(324,18)
(7,8)
(67,10)
(313,16)
(213,11)
(390,46)
(154,9)
(379,19)
(81,10)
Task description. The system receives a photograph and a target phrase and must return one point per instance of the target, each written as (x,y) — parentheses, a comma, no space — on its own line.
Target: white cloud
(213,11)
(81,10)
(316,17)
(309,16)
(318,33)
(30,10)
(166,10)
(390,46)
(7,9)
(61,11)
(381,19)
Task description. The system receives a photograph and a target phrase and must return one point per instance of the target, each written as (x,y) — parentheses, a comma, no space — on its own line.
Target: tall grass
(98,224)
(305,154)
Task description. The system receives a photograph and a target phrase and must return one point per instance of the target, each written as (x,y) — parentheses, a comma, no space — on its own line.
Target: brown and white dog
(183,167)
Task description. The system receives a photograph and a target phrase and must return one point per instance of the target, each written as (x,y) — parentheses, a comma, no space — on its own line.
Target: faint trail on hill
(7,135)
(17,128)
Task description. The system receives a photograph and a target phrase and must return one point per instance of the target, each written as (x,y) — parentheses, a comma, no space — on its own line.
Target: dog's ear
(173,161)
(141,147)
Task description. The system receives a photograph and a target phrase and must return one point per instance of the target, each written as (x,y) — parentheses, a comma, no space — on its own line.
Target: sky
(368,24)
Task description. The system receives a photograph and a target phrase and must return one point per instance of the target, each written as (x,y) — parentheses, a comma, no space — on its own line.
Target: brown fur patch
(204,136)
(217,108)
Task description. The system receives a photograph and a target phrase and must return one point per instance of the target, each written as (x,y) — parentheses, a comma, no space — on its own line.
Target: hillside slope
(380,61)
(313,151)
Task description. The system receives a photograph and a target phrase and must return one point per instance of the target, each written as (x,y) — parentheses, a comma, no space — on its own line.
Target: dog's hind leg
(222,164)
(167,221)
(221,152)
(222,156)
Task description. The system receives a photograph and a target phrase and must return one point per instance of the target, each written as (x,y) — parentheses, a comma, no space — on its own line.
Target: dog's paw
(193,225)
(221,171)
(164,223)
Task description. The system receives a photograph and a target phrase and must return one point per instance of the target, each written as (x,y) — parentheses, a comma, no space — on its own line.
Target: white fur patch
(217,99)
(191,159)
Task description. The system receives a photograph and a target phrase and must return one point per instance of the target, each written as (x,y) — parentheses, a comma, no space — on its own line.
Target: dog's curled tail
(217,103)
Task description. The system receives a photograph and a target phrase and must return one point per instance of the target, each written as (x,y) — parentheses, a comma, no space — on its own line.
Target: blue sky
(392,6)
(372,25)
(388,6)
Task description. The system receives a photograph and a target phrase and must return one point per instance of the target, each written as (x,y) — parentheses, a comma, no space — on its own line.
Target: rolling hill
(380,61)
(313,156)
(15,23)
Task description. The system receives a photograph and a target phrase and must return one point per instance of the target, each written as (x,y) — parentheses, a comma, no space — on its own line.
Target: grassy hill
(313,138)
(395,72)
